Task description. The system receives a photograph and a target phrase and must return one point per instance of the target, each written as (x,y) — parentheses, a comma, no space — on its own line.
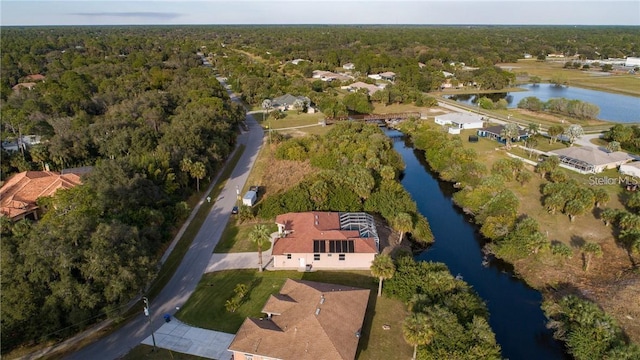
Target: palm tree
(403,223)
(629,221)
(554,131)
(509,132)
(588,251)
(417,330)
(601,196)
(260,236)
(609,215)
(198,171)
(383,268)
(533,128)
(631,238)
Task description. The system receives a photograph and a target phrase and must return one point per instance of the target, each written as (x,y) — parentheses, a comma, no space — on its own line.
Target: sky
(255,12)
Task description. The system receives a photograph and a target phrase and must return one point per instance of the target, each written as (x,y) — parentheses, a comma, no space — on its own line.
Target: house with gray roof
(286,101)
(588,159)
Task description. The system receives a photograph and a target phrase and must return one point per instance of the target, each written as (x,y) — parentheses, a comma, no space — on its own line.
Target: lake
(613,107)
(516,317)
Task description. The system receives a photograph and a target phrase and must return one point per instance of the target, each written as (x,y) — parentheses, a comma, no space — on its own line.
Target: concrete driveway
(179,337)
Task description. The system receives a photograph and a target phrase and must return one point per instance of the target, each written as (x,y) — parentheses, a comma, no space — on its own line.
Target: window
(316,257)
(248,357)
(288,256)
(319,246)
(341,257)
(341,246)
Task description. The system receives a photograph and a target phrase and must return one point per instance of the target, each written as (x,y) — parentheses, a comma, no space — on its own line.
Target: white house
(632,61)
(330,76)
(371,89)
(349,66)
(631,169)
(460,121)
(22,142)
(587,159)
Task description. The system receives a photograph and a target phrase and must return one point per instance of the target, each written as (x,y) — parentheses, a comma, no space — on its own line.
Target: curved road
(194,264)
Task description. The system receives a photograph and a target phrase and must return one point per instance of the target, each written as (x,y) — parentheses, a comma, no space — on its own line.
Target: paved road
(188,274)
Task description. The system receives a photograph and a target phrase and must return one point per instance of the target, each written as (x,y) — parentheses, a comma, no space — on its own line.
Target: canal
(516,317)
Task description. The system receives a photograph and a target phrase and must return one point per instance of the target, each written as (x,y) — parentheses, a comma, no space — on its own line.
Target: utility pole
(147,313)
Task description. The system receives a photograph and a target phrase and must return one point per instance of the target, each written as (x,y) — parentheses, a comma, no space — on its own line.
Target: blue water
(613,107)
(516,317)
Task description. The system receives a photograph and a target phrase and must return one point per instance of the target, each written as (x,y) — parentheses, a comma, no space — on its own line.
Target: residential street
(194,264)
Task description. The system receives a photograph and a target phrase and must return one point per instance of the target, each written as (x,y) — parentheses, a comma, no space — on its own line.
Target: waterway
(613,107)
(516,317)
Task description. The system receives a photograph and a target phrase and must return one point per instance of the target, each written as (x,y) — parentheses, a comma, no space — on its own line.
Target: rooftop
(592,155)
(307,320)
(461,118)
(301,229)
(19,193)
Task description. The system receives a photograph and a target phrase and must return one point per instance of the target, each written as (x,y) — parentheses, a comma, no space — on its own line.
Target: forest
(137,105)
(150,121)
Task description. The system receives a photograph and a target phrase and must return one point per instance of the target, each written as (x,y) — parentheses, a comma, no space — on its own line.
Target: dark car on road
(234,210)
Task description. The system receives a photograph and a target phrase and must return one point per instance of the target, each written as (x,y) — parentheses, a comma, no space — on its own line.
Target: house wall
(478,125)
(630,170)
(441,121)
(327,261)
(241,356)
(613,165)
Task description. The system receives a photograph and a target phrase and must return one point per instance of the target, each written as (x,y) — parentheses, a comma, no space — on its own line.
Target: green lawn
(145,352)
(292,119)
(205,308)
(235,237)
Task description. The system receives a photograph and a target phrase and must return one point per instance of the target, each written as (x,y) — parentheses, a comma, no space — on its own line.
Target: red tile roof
(311,321)
(26,85)
(19,193)
(35,77)
(303,228)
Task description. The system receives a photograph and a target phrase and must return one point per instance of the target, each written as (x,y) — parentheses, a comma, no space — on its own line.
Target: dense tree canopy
(132,105)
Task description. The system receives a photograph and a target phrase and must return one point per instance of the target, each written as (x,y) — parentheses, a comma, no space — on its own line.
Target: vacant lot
(235,237)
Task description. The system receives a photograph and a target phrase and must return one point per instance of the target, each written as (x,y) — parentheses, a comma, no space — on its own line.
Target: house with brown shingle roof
(325,240)
(305,321)
(18,195)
